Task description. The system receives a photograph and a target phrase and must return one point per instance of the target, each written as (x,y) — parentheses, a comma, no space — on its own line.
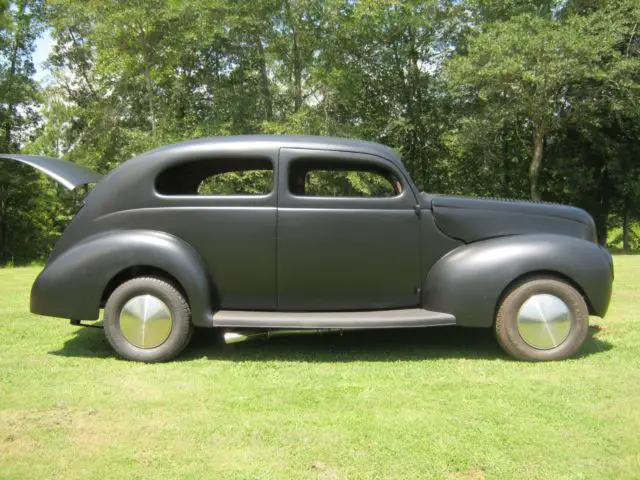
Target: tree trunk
(506,180)
(3,233)
(536,161)
(8,128)
(295,53)
(409,154)
(415,97)
(297,73)
(602,229)
(17,45)
(626,226)
(601,215)
(147,78)
(266,91)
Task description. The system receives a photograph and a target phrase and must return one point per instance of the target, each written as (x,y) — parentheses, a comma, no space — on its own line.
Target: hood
(68,174)
(472,219)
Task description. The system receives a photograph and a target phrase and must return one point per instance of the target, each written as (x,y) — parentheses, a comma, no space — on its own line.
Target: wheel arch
(550,274)
(136,271)
(75,284)
(470,281)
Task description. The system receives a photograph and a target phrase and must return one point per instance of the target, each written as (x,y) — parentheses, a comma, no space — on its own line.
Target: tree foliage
(528,99)
(25,223)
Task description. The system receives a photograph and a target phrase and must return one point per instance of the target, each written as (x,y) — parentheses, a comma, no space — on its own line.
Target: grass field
(433,403)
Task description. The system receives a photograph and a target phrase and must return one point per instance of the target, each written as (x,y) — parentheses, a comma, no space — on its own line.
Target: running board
(400,318)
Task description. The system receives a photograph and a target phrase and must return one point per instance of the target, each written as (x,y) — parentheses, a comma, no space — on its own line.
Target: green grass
(433,403)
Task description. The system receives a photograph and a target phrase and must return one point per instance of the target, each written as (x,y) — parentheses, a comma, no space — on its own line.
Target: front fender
(72,284)
(469,281)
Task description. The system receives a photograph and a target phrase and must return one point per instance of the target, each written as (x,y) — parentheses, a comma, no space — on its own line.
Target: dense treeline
(526,99)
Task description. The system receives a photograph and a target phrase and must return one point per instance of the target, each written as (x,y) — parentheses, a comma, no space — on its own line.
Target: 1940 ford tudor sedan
(264,235)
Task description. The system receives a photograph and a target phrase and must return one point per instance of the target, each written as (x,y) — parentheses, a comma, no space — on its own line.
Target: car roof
(131,182)
(255,142)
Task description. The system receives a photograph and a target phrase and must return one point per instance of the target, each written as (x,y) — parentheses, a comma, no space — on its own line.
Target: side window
(238,182)
(342,179)
(218,177)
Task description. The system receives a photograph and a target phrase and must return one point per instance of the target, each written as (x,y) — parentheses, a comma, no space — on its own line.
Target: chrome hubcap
(145,321)
(544,321)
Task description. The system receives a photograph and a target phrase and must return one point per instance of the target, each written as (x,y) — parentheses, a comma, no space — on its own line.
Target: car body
(309,233)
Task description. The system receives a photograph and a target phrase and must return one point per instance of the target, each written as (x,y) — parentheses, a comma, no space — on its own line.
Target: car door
(224,206)
(346,240)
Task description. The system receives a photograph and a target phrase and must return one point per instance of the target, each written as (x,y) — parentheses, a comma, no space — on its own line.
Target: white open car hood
(68,174)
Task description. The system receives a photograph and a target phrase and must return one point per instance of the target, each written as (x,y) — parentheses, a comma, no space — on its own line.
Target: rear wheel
(542,319)
(147,319)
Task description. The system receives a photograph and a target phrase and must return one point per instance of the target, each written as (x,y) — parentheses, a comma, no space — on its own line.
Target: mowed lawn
(432,403)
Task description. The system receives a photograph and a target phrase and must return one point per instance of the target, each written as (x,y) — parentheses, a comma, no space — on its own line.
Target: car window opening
(218,177)
(341,179)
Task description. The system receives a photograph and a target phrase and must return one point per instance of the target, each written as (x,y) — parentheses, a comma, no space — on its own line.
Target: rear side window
(238,182)
(218,177)
(342,179)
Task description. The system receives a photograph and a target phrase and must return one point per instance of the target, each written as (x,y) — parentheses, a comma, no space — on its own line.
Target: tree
(530,71)
(519,98)
(20,25)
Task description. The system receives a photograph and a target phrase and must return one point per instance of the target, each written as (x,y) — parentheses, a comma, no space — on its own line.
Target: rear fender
(469,281)
(72,284)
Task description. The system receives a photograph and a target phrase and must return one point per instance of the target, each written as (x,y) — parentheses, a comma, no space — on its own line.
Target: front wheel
(147,320)
(542,319)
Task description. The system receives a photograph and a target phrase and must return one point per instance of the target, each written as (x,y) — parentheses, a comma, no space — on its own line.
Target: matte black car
(264,235)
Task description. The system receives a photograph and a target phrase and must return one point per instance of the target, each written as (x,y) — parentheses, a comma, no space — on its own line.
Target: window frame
(266,200)
(349,167)
(287,199)
(273,183)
